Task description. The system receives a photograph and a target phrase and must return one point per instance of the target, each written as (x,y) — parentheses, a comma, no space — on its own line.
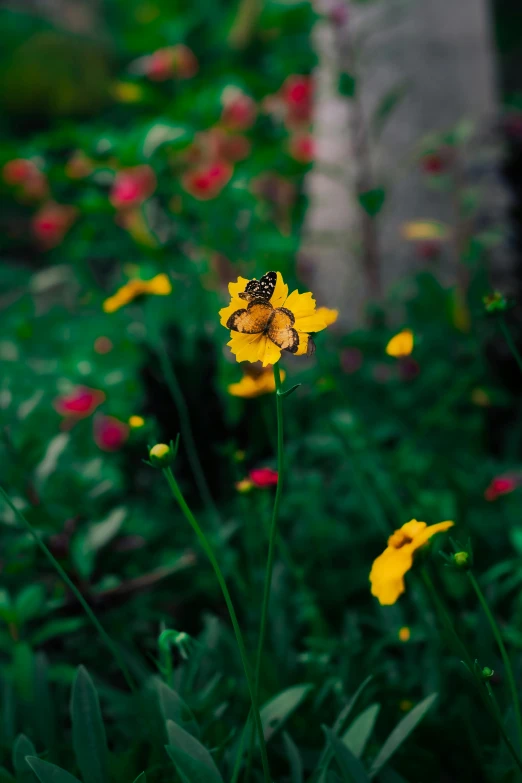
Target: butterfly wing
(252,319)
(280,330)
(262,289)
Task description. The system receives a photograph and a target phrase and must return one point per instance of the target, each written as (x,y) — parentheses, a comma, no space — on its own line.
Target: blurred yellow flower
(136,422)
(254,382)
(127,92)
(159,286)
(388,570)
(405,705)
(404,634)
(266,320)
(401,344)
(425,230)
(244,486)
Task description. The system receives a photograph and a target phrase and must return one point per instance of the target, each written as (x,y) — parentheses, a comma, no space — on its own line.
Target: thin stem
(509,339)
(186,429)
(239,754)
(505,657)
(489,703)
(189,516)
(72,587)
(272,539)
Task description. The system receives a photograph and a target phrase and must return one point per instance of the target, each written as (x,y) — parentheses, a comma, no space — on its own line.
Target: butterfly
(260,289)
(259,317)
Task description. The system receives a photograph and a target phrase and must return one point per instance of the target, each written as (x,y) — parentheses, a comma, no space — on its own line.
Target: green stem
(509,339)
(489,700)
(72,587)
(189,516)
(271,548)
(505,657)
(186,429)
(239,754)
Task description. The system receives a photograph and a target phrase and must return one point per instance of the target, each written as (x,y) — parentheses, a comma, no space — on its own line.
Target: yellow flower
(329,316)
(480,397)
(388,570)
(425,230)
(401,344)
(405,705)
(254,383)
(127,92)
(244,486)
(259,347)
(159,286)
(404,634)
(136,422)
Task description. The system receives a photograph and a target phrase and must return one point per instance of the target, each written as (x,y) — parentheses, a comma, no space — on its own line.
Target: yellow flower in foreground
(159,286)
(270,320)
(401,344)
(255,382)
(388,570)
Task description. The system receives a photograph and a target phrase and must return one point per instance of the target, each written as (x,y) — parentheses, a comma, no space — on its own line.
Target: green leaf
(294,759)
(44,716)
(277,710)
(386,106)
(346,711)
(89,740)
(28,603)
(174,708)
(347,85)
(360,730)
(49,773)
(141,778)
(192,760)
(401,732)
(372,201)
(23,670)
(23,747)
(351,768)
(7,612)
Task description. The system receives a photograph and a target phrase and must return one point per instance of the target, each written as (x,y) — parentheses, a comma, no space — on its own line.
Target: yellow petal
(247,387)
(235,303)
(159,285)
(280,294)
(401,344)
(244,346)
(268,352)
(238,287)
(327,315)
(430,531)
(310,323)
(425,230)
(301,305)
(387,574)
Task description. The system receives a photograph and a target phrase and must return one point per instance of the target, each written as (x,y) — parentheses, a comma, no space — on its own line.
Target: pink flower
(132,187)
(79,403)
(208,180)
(302,147)
(51,223)
(239,110)
(501,485)
(110,433)
(297,95)
(171,62)
(25,175)
(264,477)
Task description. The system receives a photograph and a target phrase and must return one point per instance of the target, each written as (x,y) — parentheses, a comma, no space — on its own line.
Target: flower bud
(462,560)
(161,455)
(495,303)
(487,673)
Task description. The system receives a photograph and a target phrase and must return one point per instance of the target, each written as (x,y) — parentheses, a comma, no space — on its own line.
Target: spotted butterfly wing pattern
(253,319)
(260,289)
(280,330)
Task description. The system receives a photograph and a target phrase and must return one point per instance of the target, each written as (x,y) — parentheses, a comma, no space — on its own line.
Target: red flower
(206,181)
(239,110)
(171,62)
(27,176)
(51,223)
(79,403)
(132,187)
(110,433)
(428,249)
(501,485)
(297,94)
(302,147)
(264,477)
(436,162)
